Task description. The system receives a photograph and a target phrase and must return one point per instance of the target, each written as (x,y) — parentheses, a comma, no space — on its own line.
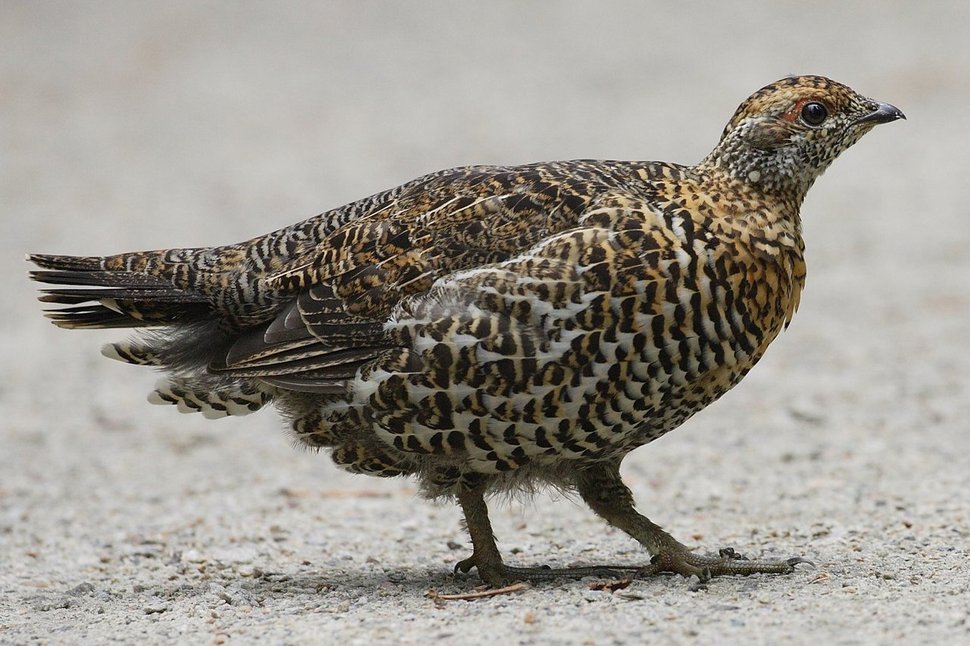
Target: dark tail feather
(90,317)
(100,297)
(63,263)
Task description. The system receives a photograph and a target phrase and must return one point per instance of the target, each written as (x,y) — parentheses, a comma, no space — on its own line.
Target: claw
(732,554)
(796,560)
(696,584)
(464,566)
(491,573)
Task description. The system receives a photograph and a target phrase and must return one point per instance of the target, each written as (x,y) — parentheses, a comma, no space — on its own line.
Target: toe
(465,565)
(491,573)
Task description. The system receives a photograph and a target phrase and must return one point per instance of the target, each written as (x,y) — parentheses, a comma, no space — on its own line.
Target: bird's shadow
(347,583)
(405,581)
(323,588)
(358,581)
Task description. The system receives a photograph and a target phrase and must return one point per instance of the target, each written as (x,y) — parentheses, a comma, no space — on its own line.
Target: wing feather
(349,285)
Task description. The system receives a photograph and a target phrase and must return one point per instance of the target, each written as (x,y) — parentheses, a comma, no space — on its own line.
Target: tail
(170,290)
(141,289)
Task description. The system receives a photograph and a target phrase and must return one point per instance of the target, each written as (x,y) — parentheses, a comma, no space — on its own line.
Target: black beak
(884,113)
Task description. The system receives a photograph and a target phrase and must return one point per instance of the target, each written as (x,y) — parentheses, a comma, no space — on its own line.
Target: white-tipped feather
(162,393)
(111,351)
(128,353)
(212,404)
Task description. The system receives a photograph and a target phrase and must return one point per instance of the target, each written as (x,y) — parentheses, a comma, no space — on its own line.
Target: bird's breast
(601,341)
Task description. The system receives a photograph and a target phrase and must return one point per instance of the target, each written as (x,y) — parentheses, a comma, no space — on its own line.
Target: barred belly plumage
(576,362)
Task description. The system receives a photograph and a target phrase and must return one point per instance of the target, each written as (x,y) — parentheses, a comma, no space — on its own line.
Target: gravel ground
(137,125)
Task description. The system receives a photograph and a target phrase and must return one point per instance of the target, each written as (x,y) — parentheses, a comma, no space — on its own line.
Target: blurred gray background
(130,125)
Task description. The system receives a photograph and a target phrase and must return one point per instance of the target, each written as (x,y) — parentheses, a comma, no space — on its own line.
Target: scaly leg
(603,490)
(485,557)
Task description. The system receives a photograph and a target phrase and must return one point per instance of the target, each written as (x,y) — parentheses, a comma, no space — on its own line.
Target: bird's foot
(491,570)
(497,574)
(727,562)
(683,562)
(546,573)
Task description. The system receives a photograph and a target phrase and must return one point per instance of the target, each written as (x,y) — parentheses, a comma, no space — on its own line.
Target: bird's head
(787,133)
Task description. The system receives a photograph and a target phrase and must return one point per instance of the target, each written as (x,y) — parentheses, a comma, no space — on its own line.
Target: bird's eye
(814,113)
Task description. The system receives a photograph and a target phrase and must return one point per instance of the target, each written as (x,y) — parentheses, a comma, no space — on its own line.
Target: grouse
(497,328)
